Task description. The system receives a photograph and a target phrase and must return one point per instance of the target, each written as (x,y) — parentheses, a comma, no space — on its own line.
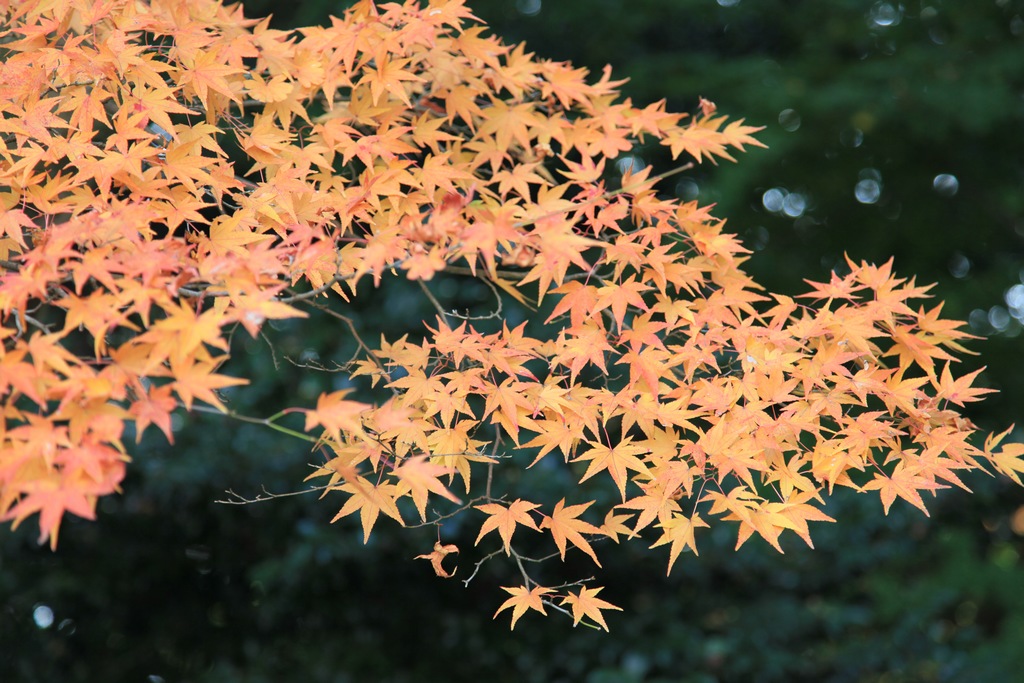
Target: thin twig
(265,422)
(476,567)
(239,499)
(433,300)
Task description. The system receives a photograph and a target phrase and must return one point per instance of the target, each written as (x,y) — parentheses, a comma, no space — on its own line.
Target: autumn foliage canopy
(173,174)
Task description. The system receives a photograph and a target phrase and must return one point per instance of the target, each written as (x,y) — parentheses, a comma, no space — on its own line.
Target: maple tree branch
(538,560)
(239,499)
(355,333)
(312,365)
(479,563)
(527,579)
(313,293)
(496,313)
(490,470)
(273,351)
(265,422)
(440,518)
(430,296)
(465,270)
(39,325)
(558,608)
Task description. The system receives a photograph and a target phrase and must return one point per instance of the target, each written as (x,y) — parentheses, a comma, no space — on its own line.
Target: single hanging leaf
(437,556)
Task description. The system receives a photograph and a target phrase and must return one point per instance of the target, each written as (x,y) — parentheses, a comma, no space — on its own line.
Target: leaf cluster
(173,172)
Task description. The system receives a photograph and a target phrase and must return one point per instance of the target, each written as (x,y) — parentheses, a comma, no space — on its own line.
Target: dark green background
(170,586)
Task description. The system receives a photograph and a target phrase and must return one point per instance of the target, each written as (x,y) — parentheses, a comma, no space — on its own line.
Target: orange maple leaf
(960,391)
(336,415)
(1008,460)
(679,532)
(585,603)
(565,525)
(420,476)
(617,460)
(905,482)
(505,519)
(369,500)
(523,599)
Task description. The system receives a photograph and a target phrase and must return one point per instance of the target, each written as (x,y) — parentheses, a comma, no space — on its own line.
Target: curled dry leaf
(436,557)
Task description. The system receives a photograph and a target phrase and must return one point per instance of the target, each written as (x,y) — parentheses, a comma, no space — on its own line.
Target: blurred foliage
(170,586)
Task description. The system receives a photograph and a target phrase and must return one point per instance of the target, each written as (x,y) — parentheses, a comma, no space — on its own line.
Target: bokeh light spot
(946,184)
(630,164)
(773,198)
(851,137)
(867,191)
(789,119)
(528,7)
(794,205)
(959,266)
(43,616)
(884,15)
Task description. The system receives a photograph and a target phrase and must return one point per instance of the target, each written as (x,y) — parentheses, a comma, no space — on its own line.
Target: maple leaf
(229,233)
(507,406)
(523,599)
(616,460)
(369,500)
(619,297)
(208,72)
(337,415)
(588,344)
(389,77)
(655,503)
(12,224)
(1008,460)
(678,530)
(565,525)
(585,603)
(747,508)
(455,450)
(51,502)
(437,557)
(578,300)
(198,380)
(421,477)
(505,519)
(794,514)
(558,246)
(614,526)
(552,434)
(154,407)
(960,391)
(705,138)
(905,482)
(506,123)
